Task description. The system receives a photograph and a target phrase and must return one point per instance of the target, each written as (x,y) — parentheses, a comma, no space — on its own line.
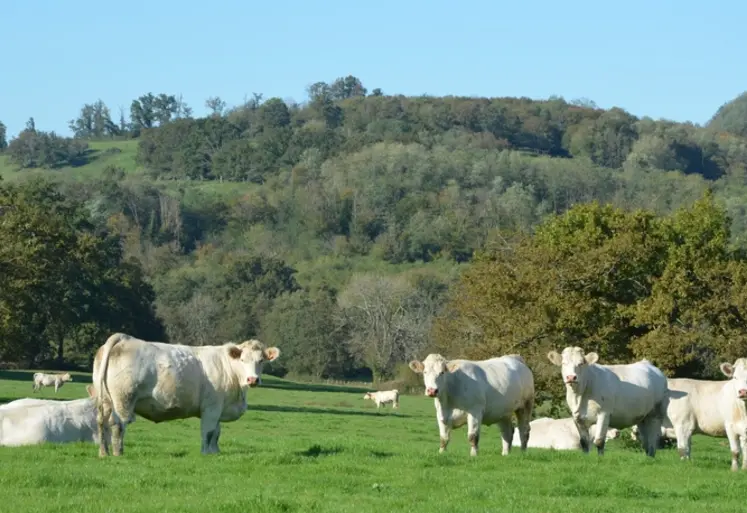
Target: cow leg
(600,431)
(210,428)
(650,431)
(507,435)
(105,434)
(443,418)
(214,439)
(734,446)
(523,417)
(684,435)
(583,435)
(743,444)
(473,432)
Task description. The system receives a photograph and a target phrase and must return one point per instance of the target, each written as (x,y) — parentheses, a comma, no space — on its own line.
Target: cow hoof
(441,450)
(473,452)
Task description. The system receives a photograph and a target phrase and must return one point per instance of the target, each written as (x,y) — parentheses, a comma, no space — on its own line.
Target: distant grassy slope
(103,154)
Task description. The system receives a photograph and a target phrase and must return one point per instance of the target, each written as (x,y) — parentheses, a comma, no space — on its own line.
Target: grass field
(317,448)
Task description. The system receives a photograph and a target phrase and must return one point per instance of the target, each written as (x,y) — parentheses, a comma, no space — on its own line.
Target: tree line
(361,229)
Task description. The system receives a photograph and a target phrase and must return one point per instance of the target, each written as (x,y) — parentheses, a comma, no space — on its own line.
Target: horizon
(278,50)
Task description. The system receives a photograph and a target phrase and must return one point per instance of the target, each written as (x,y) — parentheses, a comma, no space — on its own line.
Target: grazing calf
(35,421)
(384,397)
(667,431)
(163,382)
(47,380)
(616,396)
(558,434)
(479,392)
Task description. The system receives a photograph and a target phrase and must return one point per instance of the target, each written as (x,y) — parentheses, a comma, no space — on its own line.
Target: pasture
(319,448)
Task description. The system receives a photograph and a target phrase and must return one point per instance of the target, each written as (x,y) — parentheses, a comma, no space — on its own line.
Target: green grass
(307,448)
(102,155)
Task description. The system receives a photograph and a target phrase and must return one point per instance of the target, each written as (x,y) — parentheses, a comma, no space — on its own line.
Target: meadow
(309,447)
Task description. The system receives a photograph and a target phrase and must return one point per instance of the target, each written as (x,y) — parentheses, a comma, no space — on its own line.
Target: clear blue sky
(673,59)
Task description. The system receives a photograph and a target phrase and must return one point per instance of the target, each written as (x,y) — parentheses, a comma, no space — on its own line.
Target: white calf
(479,392)
(384,397)
(47,380)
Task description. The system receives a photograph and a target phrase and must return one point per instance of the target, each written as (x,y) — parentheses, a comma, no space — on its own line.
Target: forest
(361,229)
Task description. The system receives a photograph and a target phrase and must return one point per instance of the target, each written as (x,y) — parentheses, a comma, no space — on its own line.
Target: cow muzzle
(742,393)
(431,392)
(252,381)
(571,379)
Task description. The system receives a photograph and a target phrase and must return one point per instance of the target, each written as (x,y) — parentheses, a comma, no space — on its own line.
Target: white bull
(47,380)
(479,392)
(616,396)
(36,421)
(163,382)
(384,397)
(558,434)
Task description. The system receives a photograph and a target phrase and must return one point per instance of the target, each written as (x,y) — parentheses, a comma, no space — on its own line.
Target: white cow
(36,421)
(667,431)
(479,392)
(558,434)
(616,396)
(47,380)
(384,397)
(163,382)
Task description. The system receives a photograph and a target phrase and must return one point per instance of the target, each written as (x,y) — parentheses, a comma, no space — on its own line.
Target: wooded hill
(361,229)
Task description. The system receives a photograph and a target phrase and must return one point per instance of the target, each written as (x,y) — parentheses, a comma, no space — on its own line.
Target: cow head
(434,369)
(251,357)
(738,375)
(573,364)
(368,395)
(67,377)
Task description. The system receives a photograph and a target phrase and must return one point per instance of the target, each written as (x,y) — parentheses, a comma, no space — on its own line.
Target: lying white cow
(616,396)
(47,380)
(479,392)
(558,434)
(384,397)
(667,431)
(36,421)
(164,382)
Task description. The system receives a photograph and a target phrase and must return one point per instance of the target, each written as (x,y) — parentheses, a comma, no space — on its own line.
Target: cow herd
(163,382)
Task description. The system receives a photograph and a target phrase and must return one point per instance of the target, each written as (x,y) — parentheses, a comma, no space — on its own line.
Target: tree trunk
(60,349)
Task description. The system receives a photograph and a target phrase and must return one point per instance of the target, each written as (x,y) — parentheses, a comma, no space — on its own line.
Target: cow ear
(591,358)
(727,369)
(416,366)
(91,391)
(234,352)
(452,366)
(272,353)
(555,358)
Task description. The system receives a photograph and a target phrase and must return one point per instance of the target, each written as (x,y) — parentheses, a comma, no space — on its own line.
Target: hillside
(338,229)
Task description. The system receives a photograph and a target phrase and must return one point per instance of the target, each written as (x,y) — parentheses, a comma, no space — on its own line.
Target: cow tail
(102,385)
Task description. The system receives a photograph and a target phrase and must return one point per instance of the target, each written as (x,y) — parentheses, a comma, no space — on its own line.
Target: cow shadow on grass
(330,411)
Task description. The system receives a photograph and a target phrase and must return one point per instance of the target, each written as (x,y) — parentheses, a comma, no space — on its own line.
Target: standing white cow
(36,421)
(384,397)
(479,392)
(47,380)
(616,396)
(163,382)
(558,434)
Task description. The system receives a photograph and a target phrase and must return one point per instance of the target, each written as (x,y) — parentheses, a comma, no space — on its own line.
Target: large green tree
(59,274)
